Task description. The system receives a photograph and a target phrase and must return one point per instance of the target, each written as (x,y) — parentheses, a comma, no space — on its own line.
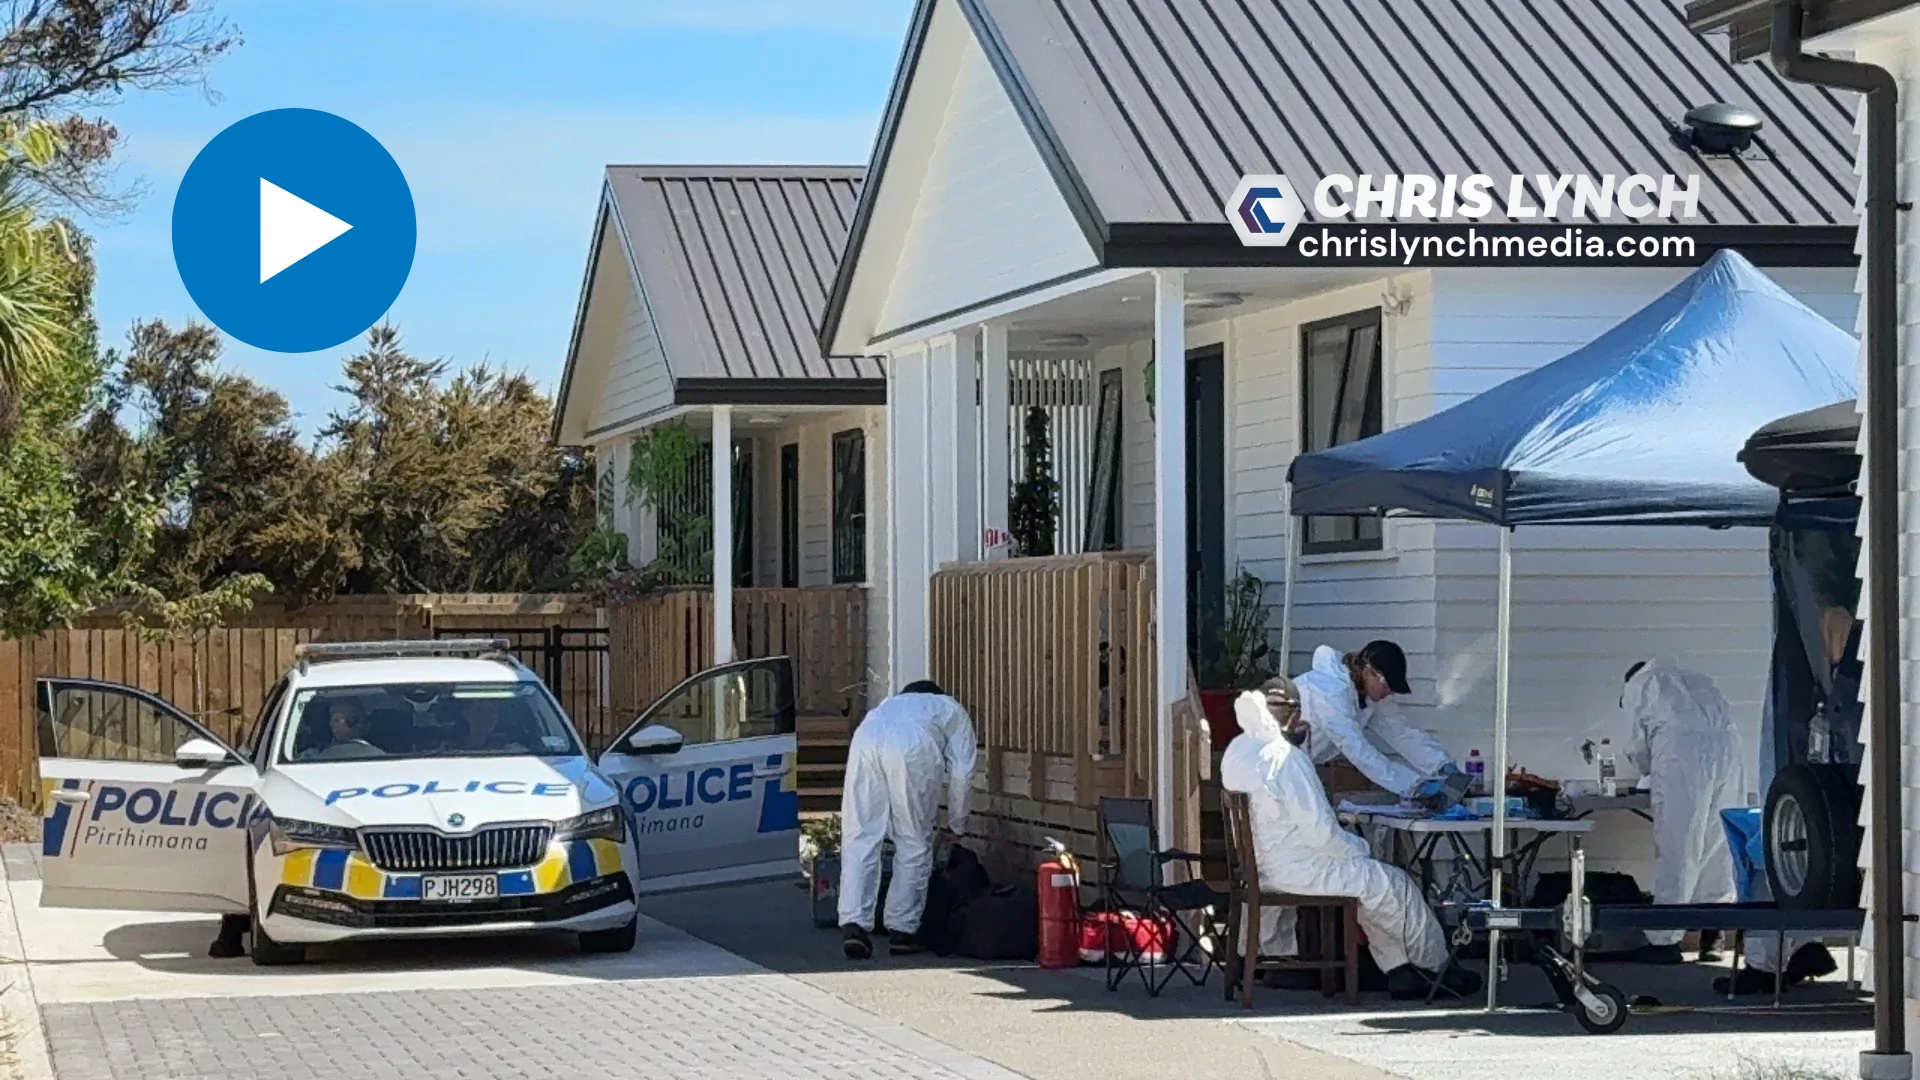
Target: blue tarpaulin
(1643,426)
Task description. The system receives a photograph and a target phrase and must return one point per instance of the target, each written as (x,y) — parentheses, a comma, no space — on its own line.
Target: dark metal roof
(736,263)
(1147,113)
(1162,105)
(1749,23)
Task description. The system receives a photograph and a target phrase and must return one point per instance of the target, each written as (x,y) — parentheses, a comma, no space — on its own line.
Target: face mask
(1296,734)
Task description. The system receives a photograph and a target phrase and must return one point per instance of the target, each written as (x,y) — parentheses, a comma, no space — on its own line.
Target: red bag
(1102,932)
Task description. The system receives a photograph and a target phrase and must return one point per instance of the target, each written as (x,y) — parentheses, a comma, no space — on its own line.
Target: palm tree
(34,264)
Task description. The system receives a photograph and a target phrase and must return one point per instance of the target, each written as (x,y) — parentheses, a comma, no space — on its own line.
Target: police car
(426,788)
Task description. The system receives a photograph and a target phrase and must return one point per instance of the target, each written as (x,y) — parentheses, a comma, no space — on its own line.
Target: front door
(1206,505)
(710,775)
(124,826)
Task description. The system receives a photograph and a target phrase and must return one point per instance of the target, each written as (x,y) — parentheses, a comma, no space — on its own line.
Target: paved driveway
(131,994)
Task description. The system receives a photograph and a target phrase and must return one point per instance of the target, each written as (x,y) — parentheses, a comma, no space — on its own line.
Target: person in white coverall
(1346,704)
(1682,739)
(1299,847)
(905,752)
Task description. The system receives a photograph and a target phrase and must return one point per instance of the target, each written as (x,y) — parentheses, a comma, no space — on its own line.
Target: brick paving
(688,1029)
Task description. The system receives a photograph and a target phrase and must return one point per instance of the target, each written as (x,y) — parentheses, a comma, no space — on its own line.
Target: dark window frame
(1353,534)
(850,507)
(790,515)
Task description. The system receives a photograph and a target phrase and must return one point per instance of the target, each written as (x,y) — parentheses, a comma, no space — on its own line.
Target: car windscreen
(425,720)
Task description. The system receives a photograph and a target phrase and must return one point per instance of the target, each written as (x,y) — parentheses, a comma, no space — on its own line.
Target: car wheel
(619,939)
(1812,841)
(265,951)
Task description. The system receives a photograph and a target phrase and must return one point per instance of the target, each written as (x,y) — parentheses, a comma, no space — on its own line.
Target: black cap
(1386,658)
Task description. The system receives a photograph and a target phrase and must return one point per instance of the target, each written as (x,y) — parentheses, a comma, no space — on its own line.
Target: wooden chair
(1245,898)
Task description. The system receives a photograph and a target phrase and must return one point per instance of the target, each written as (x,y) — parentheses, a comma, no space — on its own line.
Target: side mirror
(202,754)
(654,740)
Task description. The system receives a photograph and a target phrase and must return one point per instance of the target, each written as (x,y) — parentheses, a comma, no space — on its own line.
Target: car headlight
(289,834)
(608,823)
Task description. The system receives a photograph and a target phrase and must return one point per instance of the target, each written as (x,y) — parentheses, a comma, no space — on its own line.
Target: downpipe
(1889,1059)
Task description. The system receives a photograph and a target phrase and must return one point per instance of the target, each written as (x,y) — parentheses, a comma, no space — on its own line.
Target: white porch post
(995,467)
(966,456)
(946,436)
(1169,526)
(722,534)
(909,480)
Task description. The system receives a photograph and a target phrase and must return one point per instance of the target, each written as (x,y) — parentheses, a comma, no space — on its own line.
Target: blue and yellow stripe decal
(61,822)
(341,871)
(780,802)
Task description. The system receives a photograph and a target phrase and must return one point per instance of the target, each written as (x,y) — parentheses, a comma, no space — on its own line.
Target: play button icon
(293,230)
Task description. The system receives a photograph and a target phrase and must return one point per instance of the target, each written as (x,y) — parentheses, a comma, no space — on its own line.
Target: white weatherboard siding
(635,382)
(1894,43)
(988,219)
(879,568)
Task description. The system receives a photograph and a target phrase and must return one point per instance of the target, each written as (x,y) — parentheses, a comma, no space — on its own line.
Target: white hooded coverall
(1299,847)
(1683,740)
(1331,707)
(902,754)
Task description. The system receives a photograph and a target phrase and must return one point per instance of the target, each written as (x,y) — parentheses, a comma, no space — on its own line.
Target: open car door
(144,809)
(709,774)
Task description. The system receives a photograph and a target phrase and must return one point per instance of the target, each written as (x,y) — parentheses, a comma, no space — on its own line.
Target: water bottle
(1476,773)
(1609,770)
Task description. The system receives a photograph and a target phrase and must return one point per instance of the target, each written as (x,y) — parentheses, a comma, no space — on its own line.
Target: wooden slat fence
(1053,659)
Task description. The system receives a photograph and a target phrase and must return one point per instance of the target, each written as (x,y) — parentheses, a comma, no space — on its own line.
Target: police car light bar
(480,648)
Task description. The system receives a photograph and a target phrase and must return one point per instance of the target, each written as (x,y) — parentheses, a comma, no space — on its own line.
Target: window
(1340,372)
(743,701)
(109,723)
(252,745)
(425,720)
(790,516)
(850,507)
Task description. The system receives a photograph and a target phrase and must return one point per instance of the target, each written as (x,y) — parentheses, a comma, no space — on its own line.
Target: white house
(701,307)
(1049,181)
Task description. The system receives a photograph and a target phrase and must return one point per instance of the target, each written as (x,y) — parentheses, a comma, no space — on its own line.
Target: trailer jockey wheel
(1600,1007)
(1812,841)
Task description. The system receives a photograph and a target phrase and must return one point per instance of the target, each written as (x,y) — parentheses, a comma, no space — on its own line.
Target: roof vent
(1722,129)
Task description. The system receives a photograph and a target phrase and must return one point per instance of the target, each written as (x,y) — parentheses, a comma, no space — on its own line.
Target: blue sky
(501,113)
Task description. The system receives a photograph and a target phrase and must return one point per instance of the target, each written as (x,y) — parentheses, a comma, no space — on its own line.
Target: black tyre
(1605,1016)
(619,939)
(1812,839)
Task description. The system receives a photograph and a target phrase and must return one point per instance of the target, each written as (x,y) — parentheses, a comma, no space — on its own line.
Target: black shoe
(1407,983)
(905,944)
(855,943)
(1751,980)
(232,939)
(1659,954)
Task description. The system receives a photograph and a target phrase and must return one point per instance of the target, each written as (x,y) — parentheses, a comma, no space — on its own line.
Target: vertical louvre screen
(790,516)
(684,522)
(850,507)
(1062,390)
(1344,403)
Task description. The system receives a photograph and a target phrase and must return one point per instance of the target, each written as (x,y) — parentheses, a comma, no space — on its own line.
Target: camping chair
(1133,879)
(1246,898)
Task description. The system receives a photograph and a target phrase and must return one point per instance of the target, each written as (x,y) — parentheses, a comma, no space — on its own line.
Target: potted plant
(1245,660)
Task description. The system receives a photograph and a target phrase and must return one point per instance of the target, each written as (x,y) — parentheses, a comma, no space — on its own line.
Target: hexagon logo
(1265,211)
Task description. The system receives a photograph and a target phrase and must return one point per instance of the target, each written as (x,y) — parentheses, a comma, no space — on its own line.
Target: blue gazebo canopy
(1643,426)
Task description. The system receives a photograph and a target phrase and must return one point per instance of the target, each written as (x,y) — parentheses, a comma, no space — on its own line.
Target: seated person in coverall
(1345,702)
(1299,847)
(904,753)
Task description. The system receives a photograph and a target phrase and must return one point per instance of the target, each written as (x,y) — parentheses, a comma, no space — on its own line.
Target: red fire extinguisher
(1059,888)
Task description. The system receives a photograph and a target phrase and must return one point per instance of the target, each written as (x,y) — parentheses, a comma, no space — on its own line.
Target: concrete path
(130,994)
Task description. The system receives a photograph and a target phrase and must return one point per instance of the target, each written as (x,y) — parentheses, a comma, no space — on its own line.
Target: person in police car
(481,718)
(346,725)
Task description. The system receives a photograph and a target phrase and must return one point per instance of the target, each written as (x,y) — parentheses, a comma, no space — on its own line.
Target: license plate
(460,887)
